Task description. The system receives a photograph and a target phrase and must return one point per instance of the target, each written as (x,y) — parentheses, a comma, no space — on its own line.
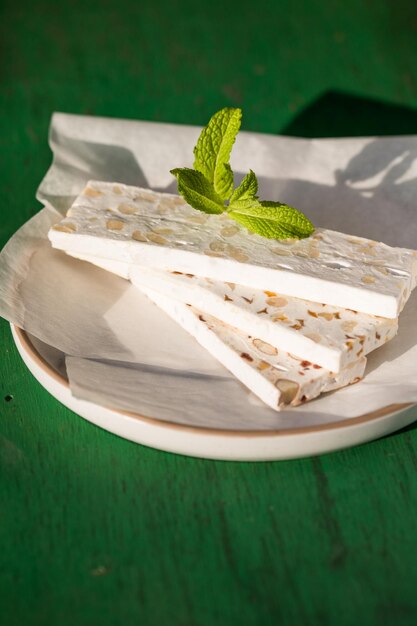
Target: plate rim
(389,410)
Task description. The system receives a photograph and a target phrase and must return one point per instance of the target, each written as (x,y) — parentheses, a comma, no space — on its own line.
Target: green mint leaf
(210,185)
(212,152)
(247,189)
(271,219)
(198,191)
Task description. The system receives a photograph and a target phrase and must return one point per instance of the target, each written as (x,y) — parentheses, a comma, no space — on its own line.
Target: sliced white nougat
(160,230)
(277,378)
(326,335)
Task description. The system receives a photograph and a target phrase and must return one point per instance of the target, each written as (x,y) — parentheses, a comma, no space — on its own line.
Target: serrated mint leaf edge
(212,155)
(247,189)
(202,198)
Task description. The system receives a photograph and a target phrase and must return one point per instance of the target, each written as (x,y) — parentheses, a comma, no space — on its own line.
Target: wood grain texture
(97,530)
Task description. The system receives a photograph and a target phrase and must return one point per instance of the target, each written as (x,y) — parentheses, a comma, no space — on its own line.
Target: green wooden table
(97,530)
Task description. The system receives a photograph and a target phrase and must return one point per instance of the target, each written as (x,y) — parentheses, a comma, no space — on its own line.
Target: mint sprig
(209,186)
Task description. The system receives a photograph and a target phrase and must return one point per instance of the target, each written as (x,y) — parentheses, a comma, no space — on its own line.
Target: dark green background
(97,530)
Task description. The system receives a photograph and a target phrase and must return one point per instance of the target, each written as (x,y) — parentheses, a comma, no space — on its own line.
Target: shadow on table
(335,114)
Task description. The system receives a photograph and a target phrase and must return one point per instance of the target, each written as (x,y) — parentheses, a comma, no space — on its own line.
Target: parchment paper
(125,353)
(87,312)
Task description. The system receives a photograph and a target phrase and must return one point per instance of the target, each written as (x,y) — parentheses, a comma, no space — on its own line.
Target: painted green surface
(97,530)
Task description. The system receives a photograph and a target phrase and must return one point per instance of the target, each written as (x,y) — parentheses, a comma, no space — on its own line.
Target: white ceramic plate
(286,443)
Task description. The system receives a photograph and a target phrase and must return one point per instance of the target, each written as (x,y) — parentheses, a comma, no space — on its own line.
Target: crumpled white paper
(125,353)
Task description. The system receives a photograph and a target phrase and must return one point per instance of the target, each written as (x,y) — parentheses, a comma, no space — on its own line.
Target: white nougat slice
(133,225)
(328,336)
(277,378)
